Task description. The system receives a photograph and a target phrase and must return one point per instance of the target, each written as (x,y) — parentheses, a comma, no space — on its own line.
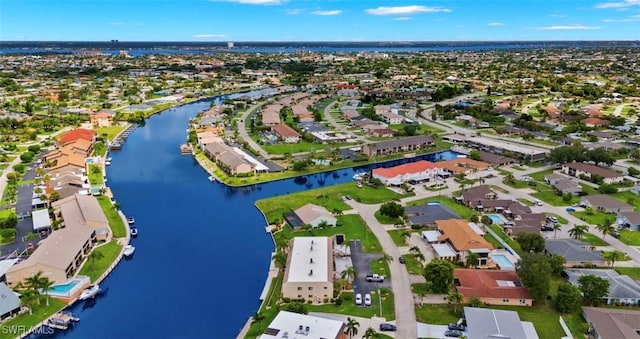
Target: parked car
(571,209)
(552,219)
(367,299)
(452,333)
(401,260)
(387,327)
(456,326)
(615,235)
(547,228)
(374,278)
(537,202)
(358,299)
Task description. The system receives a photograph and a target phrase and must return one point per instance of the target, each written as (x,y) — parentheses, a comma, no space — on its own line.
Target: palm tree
(472,260)
(280,259)
(455,298)
(405,236)
(258,317)
(509,178)
(46,284)
(28,299)
(614,256)
(349,273)
(578,231)
(385,257)
(556,227)
(95,255)
(370,333)
(352,326)
(283,244)
(307,227)
(606,227)
(33,282)
(414,250)
(419,257)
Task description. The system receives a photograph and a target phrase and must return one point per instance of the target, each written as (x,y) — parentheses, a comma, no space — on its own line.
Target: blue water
(64,288)
(502,261)
(202,257)
(496,219)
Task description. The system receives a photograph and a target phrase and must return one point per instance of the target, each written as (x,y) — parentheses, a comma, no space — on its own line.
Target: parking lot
(361,262)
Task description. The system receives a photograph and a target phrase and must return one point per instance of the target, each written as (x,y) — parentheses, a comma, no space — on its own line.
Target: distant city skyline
(319,20)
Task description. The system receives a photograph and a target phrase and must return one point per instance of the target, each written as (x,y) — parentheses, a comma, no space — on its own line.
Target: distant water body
(158,48)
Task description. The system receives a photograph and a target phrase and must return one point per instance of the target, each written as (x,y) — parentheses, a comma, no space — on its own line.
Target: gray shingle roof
(572,250)
(428,214)
(10,300)
(488,323)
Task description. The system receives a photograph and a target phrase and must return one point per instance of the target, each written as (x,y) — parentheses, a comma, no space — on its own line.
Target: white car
(367,299)
(358,299)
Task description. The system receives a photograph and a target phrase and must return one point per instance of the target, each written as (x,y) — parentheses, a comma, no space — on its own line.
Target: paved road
(361,264)
(401,286)
(243,131)
(336,125)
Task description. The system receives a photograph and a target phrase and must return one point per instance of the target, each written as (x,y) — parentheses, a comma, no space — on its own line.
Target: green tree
(93,256)
(568,298)
(258,317)
(614,256)
(307,227)
(475,155)
(530,242)
(385,257)
(455,298)
(352,327)
(296,307)
(29,299)
(472,260)
(370,333)
(46,284)
(556,227)
(280,259)
(392,209)
(557,263)
(348,273)
(578,231)
(593,288)
(535,272)
(439,275)
(606,227)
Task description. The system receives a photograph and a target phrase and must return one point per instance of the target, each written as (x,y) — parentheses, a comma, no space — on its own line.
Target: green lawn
(493,241)
(26,321)
(632,272)
(111,132)
(95,175)
(525,201)
(420,288)
(549,195)
(437,314)
(594,240)
(383,219)
(539,176)
(353,227)
(349,307)
(413,265)
(328,197)
(463,211)
(593,217)
(380,267)
(397,237)
(519,184)
(514,244)
(109,251)
(631,238)
(115,221)
(560,219)
(296,148)
(629,198)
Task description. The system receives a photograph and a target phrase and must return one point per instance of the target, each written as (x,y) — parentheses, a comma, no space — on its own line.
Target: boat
(133,231)
(358,176)
(128,250)
(90,292)
(108,159)
(107,163)
(212,178)
(131,220)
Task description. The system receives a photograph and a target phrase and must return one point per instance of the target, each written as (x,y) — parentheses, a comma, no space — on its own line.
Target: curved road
(243,131)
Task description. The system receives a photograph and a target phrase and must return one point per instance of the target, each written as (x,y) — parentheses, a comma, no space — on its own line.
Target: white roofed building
(295,325)
(309,272)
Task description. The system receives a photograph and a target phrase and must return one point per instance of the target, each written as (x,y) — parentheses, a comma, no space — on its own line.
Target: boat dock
(62,320)
(185,149)
(116,144)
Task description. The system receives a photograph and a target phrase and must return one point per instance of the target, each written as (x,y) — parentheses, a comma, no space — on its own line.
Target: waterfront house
(417,171)
(227,159)
(463,165)
(493,287)
(64,159)
(78,133)
(10,304)
(580,169)
(295,325)
(614,323)
(630,220)
(463,239)
(410,144)
(574,251)
(622,289)
(102,119)
(605,203)
(83,211)
(309,271)
(58,257)
(314,215)
(484,323)
(286,133)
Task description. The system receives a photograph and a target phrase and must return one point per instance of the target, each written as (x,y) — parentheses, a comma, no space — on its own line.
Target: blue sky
(319,20)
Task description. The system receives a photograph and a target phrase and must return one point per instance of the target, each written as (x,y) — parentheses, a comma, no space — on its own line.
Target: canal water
(202,253)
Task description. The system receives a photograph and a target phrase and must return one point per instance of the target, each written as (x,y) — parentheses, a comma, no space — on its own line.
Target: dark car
(615,235)
(456,327)
(387,327)
(452,333)
(401,260)
(571,209)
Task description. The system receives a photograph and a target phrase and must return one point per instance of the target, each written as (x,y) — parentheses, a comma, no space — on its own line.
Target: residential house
(486,323)
(575,252)
(83,211)
(611,323)
(595,122)
(227,159)
(73,135)
(622,289)
(286,133)
(579,169)
(493,287)
(382,133)
(309,271)
(208,137)
(409,144)
(501,147)
(630,220)
(58,257)
(427,214)
(463,165)
(392,118)
(526,223)
(64,159)
(635,190)
(463,239)
(315,215)
(418,171)
(10,304)
(102,119)
(605,203)
(474,196)
(496,159)
(563,184)
(295,325)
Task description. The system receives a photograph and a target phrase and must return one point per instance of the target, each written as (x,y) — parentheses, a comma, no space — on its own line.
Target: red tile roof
(412,167)
(595,121)
(483,284)
(79,133)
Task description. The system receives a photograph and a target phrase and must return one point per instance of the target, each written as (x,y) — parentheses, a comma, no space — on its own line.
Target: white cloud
(629,19)
(327,13)
(254,2)
(209,36)
(404,10)
(293,11)
(403,18)
(618,4)
(566,28)
(495,24)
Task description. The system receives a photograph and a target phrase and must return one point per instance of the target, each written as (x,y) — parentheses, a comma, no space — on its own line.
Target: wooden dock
(185,149)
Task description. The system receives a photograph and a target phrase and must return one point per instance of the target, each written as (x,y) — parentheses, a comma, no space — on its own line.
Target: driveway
(361,262)
(431,331)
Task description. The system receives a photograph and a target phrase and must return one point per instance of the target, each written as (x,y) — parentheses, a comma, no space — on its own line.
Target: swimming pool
(496,219)
(503,262)
(69,288)
(64,288)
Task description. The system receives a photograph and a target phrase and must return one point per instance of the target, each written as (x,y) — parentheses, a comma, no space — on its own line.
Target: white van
(537,202)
